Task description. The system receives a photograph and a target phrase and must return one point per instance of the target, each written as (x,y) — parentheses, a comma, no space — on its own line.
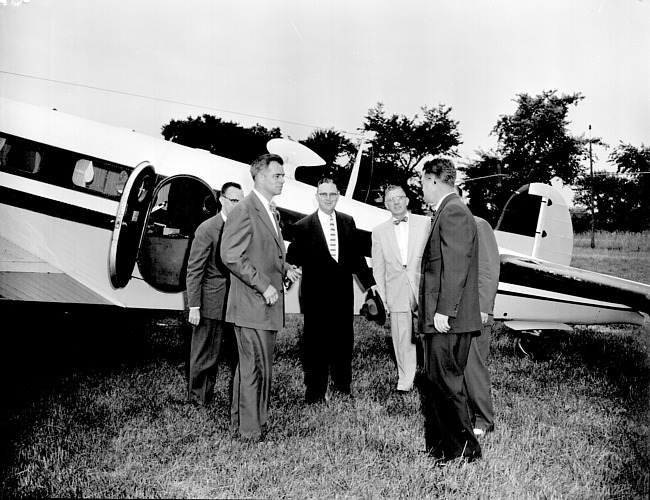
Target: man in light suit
(326,247)
(449,314)
(477,376)
(397,247)
(207,288)
(252,248)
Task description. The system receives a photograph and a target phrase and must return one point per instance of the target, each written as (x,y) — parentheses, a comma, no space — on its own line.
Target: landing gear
(529,344)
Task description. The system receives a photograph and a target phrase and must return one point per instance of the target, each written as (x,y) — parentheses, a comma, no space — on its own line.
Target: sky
(306,64)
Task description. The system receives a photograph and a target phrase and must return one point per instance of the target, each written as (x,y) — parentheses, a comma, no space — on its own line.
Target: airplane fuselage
(62,180)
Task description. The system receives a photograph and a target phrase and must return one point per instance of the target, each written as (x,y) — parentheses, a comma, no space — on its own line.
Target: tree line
(533,145)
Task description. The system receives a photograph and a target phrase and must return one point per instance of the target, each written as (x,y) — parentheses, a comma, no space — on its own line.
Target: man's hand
(294,273)
(441,323)
(271,295)
(194,317)
(484,317)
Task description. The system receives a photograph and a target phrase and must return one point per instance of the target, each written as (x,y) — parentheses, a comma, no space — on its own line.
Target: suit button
(404,266)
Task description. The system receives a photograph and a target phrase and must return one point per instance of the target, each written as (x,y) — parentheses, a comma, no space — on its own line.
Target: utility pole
(591,169)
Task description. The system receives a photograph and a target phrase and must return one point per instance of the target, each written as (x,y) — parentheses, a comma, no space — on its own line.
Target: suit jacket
(207,278)
(489,266)
(399,281)
(323,278)
(255,256)
(449,283)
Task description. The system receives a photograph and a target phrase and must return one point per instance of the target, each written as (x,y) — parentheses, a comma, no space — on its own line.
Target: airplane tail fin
(536,222)
(294,155)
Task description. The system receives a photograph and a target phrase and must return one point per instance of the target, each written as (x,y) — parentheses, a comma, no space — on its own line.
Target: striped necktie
(333,244)
(276,217)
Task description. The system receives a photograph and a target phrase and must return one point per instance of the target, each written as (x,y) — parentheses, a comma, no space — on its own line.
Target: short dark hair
(327,180)
(229,185)
(392,187)
(263,162)
(443,168)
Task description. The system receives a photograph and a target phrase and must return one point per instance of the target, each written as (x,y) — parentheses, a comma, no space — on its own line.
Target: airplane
(538,289)
(83,202)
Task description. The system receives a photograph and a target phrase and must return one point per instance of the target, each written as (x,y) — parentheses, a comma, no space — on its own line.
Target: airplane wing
(25,277)
(536,290)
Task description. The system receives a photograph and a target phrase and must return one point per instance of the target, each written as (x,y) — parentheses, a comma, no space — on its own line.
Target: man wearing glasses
(327,249)
(207,283)
(397,247)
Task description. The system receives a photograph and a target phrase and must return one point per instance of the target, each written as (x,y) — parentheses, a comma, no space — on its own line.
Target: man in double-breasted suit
(327,249)
(207,288)
(449,314)
(397,247)
(253,250)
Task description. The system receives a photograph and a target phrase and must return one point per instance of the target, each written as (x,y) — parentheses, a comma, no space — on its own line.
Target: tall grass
(620,254)
(96,412)
(616,240)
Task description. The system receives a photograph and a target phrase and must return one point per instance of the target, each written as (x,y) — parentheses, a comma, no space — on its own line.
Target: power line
(170,101)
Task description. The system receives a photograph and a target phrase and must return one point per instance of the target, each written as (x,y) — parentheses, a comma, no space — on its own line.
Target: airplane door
(155,226)
(180,204)
(129,223)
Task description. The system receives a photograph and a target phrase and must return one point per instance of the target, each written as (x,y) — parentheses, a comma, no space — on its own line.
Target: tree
(219,137)
(534,145)
(610,199)
(620,199)
(400,143)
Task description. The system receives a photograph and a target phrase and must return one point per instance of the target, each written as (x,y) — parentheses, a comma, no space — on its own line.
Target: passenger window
(3,151)
(83,173)
(106,179)
(19,157)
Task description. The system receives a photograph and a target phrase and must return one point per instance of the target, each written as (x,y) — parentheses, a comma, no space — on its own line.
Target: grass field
(95,410)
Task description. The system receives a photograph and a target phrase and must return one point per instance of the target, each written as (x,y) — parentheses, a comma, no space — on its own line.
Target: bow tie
(403,219)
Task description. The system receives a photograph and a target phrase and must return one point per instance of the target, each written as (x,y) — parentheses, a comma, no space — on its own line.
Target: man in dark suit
(253,250)
(207,288)
(449,314)
(325,246)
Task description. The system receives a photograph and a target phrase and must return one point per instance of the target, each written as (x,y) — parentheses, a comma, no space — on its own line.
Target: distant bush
(615,240)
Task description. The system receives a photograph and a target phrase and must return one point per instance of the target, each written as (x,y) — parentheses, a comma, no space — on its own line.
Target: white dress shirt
(402,235)
(267,206)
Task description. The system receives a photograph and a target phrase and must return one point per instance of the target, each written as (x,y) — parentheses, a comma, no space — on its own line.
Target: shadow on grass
(607,365)
(619,354)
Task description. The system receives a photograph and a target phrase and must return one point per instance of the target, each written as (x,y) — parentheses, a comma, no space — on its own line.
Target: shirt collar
(441,199)
(323,216)
(406,214)
(265,202)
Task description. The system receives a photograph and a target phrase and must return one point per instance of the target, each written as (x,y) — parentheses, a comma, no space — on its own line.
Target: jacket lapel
(414,232)
(392,239)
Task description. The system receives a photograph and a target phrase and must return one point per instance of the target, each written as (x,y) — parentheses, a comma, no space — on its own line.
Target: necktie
(403,219)
(333,240)
(276,217)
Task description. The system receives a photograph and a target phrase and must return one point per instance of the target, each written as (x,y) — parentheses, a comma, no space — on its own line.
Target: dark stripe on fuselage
(529,273)
(53,208)
(558,301)
(89,217)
